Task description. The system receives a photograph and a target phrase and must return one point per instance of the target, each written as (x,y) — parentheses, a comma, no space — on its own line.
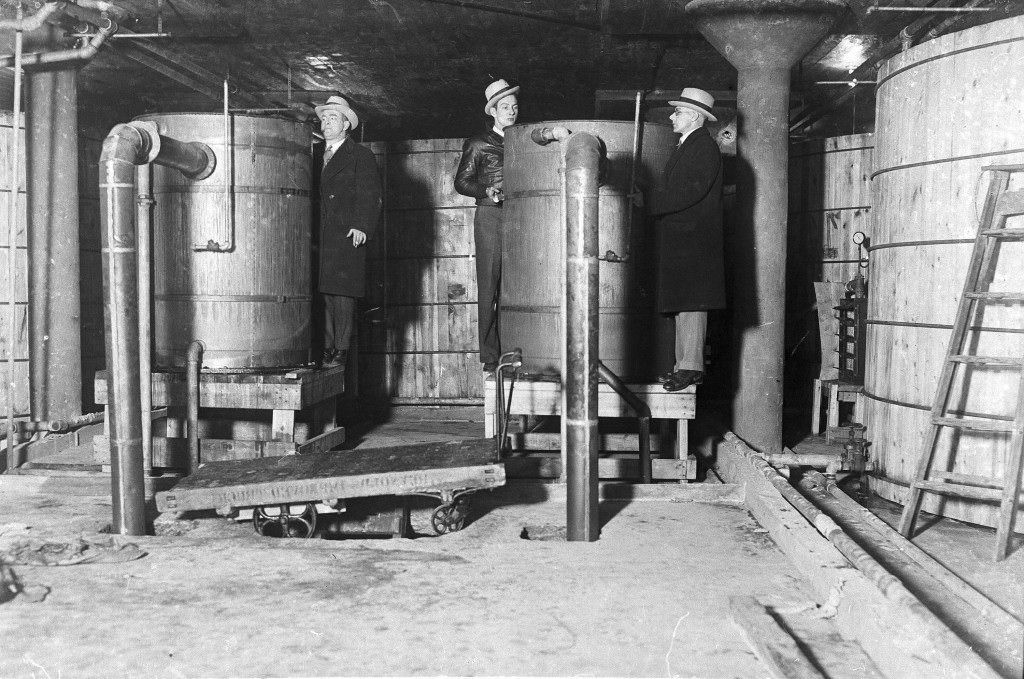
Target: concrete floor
(210,598)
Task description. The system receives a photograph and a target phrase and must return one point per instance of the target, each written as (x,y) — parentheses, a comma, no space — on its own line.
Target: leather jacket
(482,158)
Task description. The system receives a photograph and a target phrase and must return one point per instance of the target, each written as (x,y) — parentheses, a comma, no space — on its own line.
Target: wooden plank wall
(19,343)
(418,338)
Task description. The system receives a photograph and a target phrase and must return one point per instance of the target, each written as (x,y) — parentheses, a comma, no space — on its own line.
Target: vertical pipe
(759,265)
(195,365)
(582,153)
(144,204)
(12,239)
(55,333)
(121,152)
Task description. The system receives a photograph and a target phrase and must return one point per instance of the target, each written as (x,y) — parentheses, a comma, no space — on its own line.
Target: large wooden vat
(946,109)
(251,304)
(19,343)
(829,201)
(635,342)
(418,337)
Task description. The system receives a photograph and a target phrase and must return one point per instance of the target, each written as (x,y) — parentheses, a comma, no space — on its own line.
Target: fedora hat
(336,103)
(496,91)
(697,100)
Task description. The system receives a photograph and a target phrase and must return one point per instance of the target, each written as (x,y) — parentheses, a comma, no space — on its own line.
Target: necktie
(328,154)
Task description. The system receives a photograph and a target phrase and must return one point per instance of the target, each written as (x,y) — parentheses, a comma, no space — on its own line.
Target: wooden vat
(946,109)
(418,336)
(249,304)
(635,341)
(829,201)
(16,257)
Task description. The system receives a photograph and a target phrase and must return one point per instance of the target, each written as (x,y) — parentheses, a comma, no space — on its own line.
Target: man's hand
(495,194)
(358,237)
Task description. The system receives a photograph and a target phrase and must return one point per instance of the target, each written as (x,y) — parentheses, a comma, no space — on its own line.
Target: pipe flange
(150,133)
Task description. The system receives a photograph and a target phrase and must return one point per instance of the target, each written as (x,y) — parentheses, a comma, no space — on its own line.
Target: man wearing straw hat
(350,205)
(688,206)
(480,176)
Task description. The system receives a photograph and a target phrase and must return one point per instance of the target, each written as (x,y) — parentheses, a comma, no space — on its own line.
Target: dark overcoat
(350,198)
(687,204)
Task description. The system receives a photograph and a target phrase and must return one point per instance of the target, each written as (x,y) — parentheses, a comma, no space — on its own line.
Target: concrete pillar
(51,131)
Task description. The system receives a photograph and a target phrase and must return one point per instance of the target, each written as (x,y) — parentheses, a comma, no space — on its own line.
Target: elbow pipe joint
(546,135)
(140,142)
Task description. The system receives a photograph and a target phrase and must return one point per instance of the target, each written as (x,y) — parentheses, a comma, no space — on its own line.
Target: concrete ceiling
(417,68)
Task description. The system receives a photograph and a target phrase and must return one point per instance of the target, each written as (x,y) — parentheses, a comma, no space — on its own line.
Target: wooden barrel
(829,201)
(418,335)
(635,342)
(249,302)
(19,260)
(946,109)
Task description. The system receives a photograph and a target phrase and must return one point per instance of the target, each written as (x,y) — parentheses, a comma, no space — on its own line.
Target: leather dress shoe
(681,379)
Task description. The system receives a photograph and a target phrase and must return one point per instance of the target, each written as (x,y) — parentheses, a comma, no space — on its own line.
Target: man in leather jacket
(480,176)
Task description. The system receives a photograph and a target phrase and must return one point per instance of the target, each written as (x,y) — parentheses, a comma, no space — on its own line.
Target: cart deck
(442,470)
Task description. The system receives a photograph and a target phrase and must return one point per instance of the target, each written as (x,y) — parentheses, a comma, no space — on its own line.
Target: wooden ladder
(1000,203)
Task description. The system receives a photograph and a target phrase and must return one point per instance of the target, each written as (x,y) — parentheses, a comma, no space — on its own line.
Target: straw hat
(336,103)
(697,100)
(496,91)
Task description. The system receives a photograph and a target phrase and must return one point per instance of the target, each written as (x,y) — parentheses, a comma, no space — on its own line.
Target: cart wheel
(285,524)
(449,518)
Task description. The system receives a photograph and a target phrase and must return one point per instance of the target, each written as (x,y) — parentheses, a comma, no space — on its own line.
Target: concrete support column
(55,348)
(759,295)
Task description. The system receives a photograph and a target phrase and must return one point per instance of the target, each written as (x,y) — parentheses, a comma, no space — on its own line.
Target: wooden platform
(541,395)
(399,470)
(283,393)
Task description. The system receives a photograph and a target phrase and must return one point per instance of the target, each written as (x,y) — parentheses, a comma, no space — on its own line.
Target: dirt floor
(210,598)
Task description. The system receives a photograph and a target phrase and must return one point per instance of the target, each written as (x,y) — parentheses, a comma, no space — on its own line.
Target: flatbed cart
(283,493)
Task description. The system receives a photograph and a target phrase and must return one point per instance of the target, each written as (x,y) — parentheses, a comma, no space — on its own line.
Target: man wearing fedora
(350,205)
(687,203)
(480,176)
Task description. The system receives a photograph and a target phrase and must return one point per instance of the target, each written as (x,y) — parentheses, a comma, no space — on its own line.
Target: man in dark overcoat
(687,203)
(350,205)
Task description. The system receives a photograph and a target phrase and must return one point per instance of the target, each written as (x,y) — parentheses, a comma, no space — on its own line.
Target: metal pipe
(643,412)
(762,39)
(579,370)
(84,53)
(546,135)
(195,366)
(12,239)
(930,10)
(229,164)
(33,22)
(143,216)
(126,146)
(958,653)
(54,288)
(54,426)
(988,608)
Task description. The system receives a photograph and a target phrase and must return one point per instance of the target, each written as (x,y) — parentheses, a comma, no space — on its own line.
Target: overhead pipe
(126,146)
(12,239)
(762,39)
(83,53)
(54,309)
(581,156)
(643,413)
(33,22)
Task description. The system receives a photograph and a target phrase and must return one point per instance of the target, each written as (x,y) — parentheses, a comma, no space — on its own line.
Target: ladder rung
(1008,234)
(998,296)
(1005,361)
(976,425)
(970,480)
(958,490)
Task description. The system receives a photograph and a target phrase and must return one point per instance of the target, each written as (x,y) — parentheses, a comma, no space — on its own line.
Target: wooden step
(958,490)
(1005,234)
(1002,361)
(969,480)
(997,296)
(973,425)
